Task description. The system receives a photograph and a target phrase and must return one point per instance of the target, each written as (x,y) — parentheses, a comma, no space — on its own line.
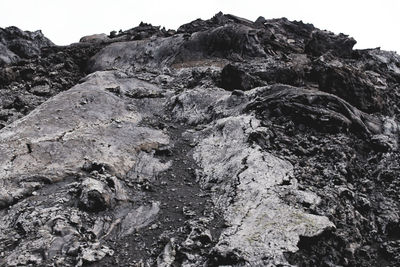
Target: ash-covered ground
(225,143)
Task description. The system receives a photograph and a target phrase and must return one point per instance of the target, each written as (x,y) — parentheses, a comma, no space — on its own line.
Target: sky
(371,23)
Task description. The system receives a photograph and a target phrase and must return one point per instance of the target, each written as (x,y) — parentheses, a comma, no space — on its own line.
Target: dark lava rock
(348,83)
(322,42)
(219,19)
(16,44)
(226,142)
(234,78)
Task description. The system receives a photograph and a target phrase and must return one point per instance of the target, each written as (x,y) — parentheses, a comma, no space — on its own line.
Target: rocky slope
(226,142)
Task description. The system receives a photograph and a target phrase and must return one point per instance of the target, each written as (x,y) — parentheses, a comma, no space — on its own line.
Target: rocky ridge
(226,142)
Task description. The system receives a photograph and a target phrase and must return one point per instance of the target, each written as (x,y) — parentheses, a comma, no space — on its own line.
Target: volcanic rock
(16,44)
(225,143)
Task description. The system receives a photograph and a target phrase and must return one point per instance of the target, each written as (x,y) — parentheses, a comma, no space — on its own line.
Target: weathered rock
(7,56)
(94,196)
(16,44)
(234,78)
(322,42)
(93,253)
(25,86)
(139,218)
(315,108)
(41,154)
(228,142)
(167,258)
(219,19)
(101,37)
(52,124)
(247,183)
(143,31)
(348,83)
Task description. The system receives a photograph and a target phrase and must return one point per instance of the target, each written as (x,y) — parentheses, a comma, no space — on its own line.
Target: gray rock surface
(247,184)
(225,143)
(101,37)
(77,147)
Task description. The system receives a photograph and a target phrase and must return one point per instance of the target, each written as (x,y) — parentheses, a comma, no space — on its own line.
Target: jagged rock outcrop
(225,143)
(16,44)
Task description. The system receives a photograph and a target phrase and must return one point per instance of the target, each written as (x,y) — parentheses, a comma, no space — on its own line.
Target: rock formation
(225,143)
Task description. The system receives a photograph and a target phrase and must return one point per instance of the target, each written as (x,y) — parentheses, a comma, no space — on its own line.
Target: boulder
(101,37)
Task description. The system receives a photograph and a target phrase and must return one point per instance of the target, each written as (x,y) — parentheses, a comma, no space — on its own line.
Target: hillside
(226,142)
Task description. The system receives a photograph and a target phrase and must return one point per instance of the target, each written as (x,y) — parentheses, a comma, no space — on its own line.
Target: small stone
(95,196)
(74,218)
(153,226)
(188,212)
(95,252)
(41,90)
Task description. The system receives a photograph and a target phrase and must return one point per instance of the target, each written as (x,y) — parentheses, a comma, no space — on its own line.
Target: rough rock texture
(225,143)
(247,183)
(16,44)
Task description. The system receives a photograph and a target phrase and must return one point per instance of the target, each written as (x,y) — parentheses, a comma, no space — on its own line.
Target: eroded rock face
(16,44)
(247,183)
(77,147)
(227,142)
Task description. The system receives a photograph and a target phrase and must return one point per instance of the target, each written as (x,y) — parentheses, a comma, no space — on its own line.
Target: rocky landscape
(226,142)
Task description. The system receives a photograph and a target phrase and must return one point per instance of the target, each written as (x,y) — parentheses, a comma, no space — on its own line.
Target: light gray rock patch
(63,169)
(247,184)
(47,144)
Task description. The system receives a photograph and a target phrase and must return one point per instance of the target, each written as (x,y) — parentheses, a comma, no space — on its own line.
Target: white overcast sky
(371,23)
